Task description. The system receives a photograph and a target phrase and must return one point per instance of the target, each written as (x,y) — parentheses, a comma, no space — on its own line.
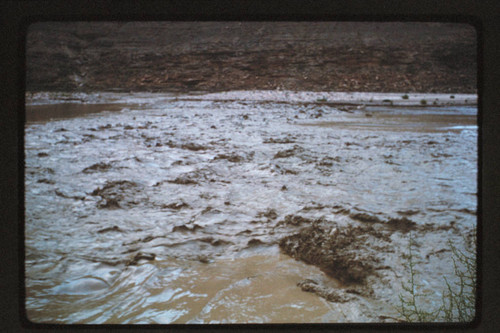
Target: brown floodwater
(47,112)
(172,211)
(403,122)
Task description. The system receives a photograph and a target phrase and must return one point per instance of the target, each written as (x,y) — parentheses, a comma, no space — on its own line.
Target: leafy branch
(458,298)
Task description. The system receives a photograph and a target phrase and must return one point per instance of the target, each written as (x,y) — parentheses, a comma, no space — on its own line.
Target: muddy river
(170,210)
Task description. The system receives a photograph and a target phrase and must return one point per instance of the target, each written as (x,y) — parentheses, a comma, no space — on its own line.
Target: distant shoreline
(276,96)
(406,57)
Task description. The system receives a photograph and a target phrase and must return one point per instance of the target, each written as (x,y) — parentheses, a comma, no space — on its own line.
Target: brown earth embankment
(222,56)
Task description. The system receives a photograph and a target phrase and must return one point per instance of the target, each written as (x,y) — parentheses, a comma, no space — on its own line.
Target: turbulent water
(171,210)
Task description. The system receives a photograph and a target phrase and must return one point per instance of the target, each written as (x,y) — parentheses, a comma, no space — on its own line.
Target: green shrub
(423,102)
(458,299)
(404,96)
(411,308)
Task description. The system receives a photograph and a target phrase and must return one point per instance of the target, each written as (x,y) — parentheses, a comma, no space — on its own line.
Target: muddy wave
(203,211)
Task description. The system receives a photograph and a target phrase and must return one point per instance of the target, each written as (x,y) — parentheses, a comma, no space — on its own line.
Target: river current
(170,210)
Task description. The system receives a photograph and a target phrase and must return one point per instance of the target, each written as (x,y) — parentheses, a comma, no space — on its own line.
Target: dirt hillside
(220,56)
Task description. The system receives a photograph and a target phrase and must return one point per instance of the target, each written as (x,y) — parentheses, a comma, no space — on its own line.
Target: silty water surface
(168,211)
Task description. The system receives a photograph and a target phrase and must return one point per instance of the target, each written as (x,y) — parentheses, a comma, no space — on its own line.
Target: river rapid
(157,209)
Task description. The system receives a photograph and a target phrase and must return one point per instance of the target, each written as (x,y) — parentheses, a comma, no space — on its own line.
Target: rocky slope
(219,56)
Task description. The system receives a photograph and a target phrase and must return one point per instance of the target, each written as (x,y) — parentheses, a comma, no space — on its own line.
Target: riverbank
(327,98)
(406,57)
